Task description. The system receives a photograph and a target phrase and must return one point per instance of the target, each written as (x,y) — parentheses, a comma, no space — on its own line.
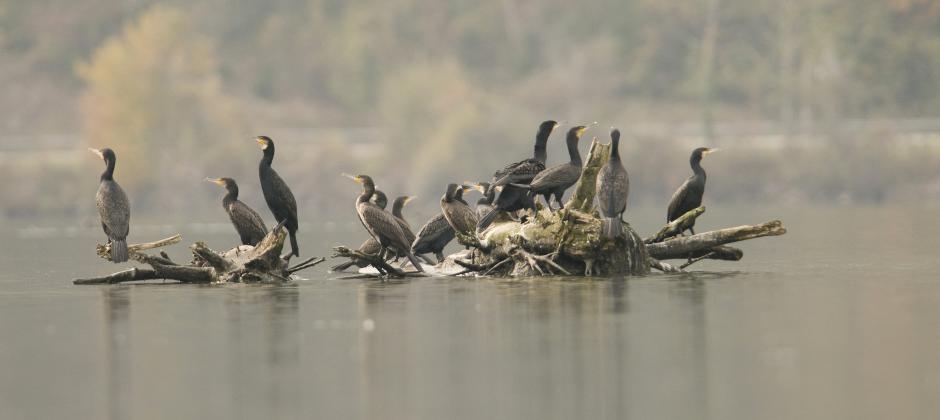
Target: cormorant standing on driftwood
(513,198)
(555,180)
(382,225)
(247,222)
(689,195)
(113,207)
(279,197)
(369,246)
(612,189)
(458,214)
(436,234)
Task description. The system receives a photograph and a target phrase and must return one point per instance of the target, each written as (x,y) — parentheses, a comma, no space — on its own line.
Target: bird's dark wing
(564,175)
(247,221)
(370,246)
(460,217)
(114,209)
(676,201)
(431,231)
(382,225)
(522,171)
(282,193)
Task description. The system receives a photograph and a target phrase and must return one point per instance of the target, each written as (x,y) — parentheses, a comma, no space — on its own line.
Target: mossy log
(261,263)
(569,241)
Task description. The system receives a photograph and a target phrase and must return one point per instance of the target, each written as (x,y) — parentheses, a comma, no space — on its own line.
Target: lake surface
(840,318)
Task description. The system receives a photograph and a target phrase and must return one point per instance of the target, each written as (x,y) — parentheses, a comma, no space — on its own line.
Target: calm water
(840,318)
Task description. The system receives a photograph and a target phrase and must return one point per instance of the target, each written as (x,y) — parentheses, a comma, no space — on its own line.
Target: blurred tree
(154,95)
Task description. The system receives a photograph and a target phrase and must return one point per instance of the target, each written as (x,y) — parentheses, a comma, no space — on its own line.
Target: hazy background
(822,101)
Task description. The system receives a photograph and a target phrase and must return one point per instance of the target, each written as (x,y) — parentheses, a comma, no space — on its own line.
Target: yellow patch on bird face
(262,142)
(407,199)
(581,131)
(217,181)
(709,151)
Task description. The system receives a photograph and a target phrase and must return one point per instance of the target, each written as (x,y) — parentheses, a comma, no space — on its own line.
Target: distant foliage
(154,95)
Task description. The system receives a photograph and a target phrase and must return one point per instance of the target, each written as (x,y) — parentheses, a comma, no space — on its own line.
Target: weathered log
(664,267)
(683,247)
(677,226)
(259,263)
(382,266)
(572,236)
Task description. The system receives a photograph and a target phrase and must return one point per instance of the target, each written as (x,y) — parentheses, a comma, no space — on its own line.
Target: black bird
(113,207)
(433,237)
(555,180)
(247,222)
(397,207)
(513,198)
(276,193)
(458,214)
(382,225)
(436,234)
(485,203)
(524,170)
(369,246)
(612,189)
(689,195)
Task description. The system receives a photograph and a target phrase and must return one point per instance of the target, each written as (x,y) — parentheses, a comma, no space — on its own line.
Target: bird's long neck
(396,208)
(696,163)
(108,174)
(541,150)
(573,150)
(615,149)
(367,191)
(268,157)
(231,196)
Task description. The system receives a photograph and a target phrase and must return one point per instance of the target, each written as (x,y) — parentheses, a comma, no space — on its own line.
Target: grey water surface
(840,318)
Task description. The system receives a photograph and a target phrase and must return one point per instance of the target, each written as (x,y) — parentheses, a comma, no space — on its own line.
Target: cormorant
(276,193)
(114,209)
(397,206)
(689,195)
(436,234)
(513,198)
(458,214)
(247,222)
(433,237)
(612,189)
(369,246)
(382,225)
(555,180)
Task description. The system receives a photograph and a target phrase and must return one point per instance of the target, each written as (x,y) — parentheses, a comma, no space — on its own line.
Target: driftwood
(382,266)
(569,240)
(686,246)
(243,264)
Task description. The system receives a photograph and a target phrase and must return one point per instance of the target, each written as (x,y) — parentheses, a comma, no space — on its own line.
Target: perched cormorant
(369,246)
(382,225)
(555,180)
(612,189)
(689,195)
(397,207)
(513,198)
(436,234)
(433,237)
(523,171)
(276,193)
(113,207)
(458,214)
(247,222)
(485,203)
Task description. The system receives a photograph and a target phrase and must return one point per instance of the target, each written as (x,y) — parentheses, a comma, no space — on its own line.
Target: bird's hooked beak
(408,199)
(710,151)
(474,186)
(357,179)
(97,152)
(262,142)
(217,181)
(580,131)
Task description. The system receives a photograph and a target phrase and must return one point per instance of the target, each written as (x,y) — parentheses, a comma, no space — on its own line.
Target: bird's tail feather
(611,227)
(415,262)
(293,244)
(118,250)
(486,220)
